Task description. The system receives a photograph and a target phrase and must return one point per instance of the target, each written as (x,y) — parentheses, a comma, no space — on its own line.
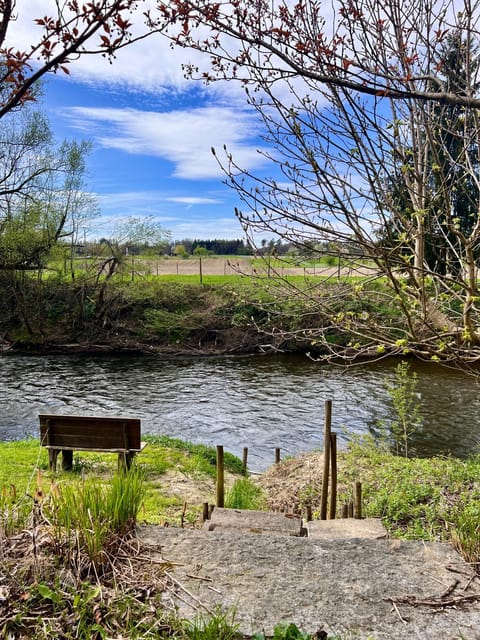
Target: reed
(88,518)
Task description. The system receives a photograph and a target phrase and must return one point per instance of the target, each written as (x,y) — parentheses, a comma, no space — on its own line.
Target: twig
(180,586)
(209,586)
(431,602)
(404,620)
(179,597)
(206,579)
(470,580)
(450,589)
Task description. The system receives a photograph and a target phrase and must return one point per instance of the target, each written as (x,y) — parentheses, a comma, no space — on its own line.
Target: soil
(238,265)
(293,483)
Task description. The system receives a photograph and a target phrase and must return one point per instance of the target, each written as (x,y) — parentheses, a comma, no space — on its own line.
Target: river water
(259,402)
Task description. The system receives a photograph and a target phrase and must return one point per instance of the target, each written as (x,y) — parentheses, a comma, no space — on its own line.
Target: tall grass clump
(89,518)
(14,512)
(245,494)
(465,536)
(220,625)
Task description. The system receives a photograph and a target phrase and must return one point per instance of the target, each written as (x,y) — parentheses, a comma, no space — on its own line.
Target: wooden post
(220,478)
(277,455)
(358,500)
(326,459)
(245,460)
(309,513)
(350,509)
(200,270)
(333,460)
(67,460)
(345,510)
(205,514)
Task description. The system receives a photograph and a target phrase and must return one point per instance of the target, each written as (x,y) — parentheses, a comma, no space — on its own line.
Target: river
(259,402)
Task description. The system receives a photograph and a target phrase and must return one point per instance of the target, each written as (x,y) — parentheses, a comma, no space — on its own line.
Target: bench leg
(52,459)
(67,460)
(125,460)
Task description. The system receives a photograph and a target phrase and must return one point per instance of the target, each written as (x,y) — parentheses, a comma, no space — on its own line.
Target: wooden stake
(333,461)
(350,509)
(245,460)
(345,510)
(309,513)
(326,459)
(277,455)
(205,514)
(220,478)
(358,500)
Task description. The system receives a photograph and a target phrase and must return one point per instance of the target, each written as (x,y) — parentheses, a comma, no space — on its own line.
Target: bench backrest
(90,432)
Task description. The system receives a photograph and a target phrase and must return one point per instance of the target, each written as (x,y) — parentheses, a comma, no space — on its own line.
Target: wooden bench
(89,433)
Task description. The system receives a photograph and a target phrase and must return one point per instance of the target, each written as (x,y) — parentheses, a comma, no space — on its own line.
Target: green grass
(24,472)
(245,494)
(418,498)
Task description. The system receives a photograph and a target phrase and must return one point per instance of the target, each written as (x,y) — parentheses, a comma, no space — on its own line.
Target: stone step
(263,522)
(254,522)
(346,528)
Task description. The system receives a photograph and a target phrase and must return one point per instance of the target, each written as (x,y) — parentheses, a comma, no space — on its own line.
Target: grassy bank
(224,314)
(68,555)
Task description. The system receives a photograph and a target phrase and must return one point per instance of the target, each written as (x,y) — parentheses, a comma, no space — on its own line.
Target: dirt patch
(194,489)
(293,483)
(188,488)
(239,266)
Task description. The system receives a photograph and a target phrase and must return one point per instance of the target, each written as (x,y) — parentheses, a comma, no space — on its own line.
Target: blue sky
(151,153)
(151,133)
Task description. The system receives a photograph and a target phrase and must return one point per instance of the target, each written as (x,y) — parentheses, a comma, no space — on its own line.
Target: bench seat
(90,433)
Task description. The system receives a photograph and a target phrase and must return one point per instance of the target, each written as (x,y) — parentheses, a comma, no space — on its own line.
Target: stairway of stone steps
(269,522)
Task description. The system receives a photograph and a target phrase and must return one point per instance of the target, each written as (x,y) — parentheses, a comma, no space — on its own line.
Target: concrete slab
(353,589)
(346,528)
(253,522)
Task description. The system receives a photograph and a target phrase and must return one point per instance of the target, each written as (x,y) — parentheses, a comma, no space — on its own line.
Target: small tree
(180,251)
(42,198)
(404,396)
(131,231)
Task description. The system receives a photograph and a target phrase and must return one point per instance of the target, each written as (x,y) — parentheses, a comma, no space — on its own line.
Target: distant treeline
(218,247)
(229,247)
(188,247)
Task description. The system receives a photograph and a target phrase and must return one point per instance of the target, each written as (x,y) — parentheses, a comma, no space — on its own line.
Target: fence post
(220,478)
(326,459)
(358,501)
(245,460)
(333,458)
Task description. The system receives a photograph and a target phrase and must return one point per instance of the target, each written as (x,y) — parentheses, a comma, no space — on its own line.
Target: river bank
(230,314)
(430,500)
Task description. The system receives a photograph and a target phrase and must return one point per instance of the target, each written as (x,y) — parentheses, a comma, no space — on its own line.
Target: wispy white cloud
(146,201)
(183,137)
(191,200)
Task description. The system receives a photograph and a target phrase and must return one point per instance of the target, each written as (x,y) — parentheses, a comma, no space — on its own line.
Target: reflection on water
(259,402)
